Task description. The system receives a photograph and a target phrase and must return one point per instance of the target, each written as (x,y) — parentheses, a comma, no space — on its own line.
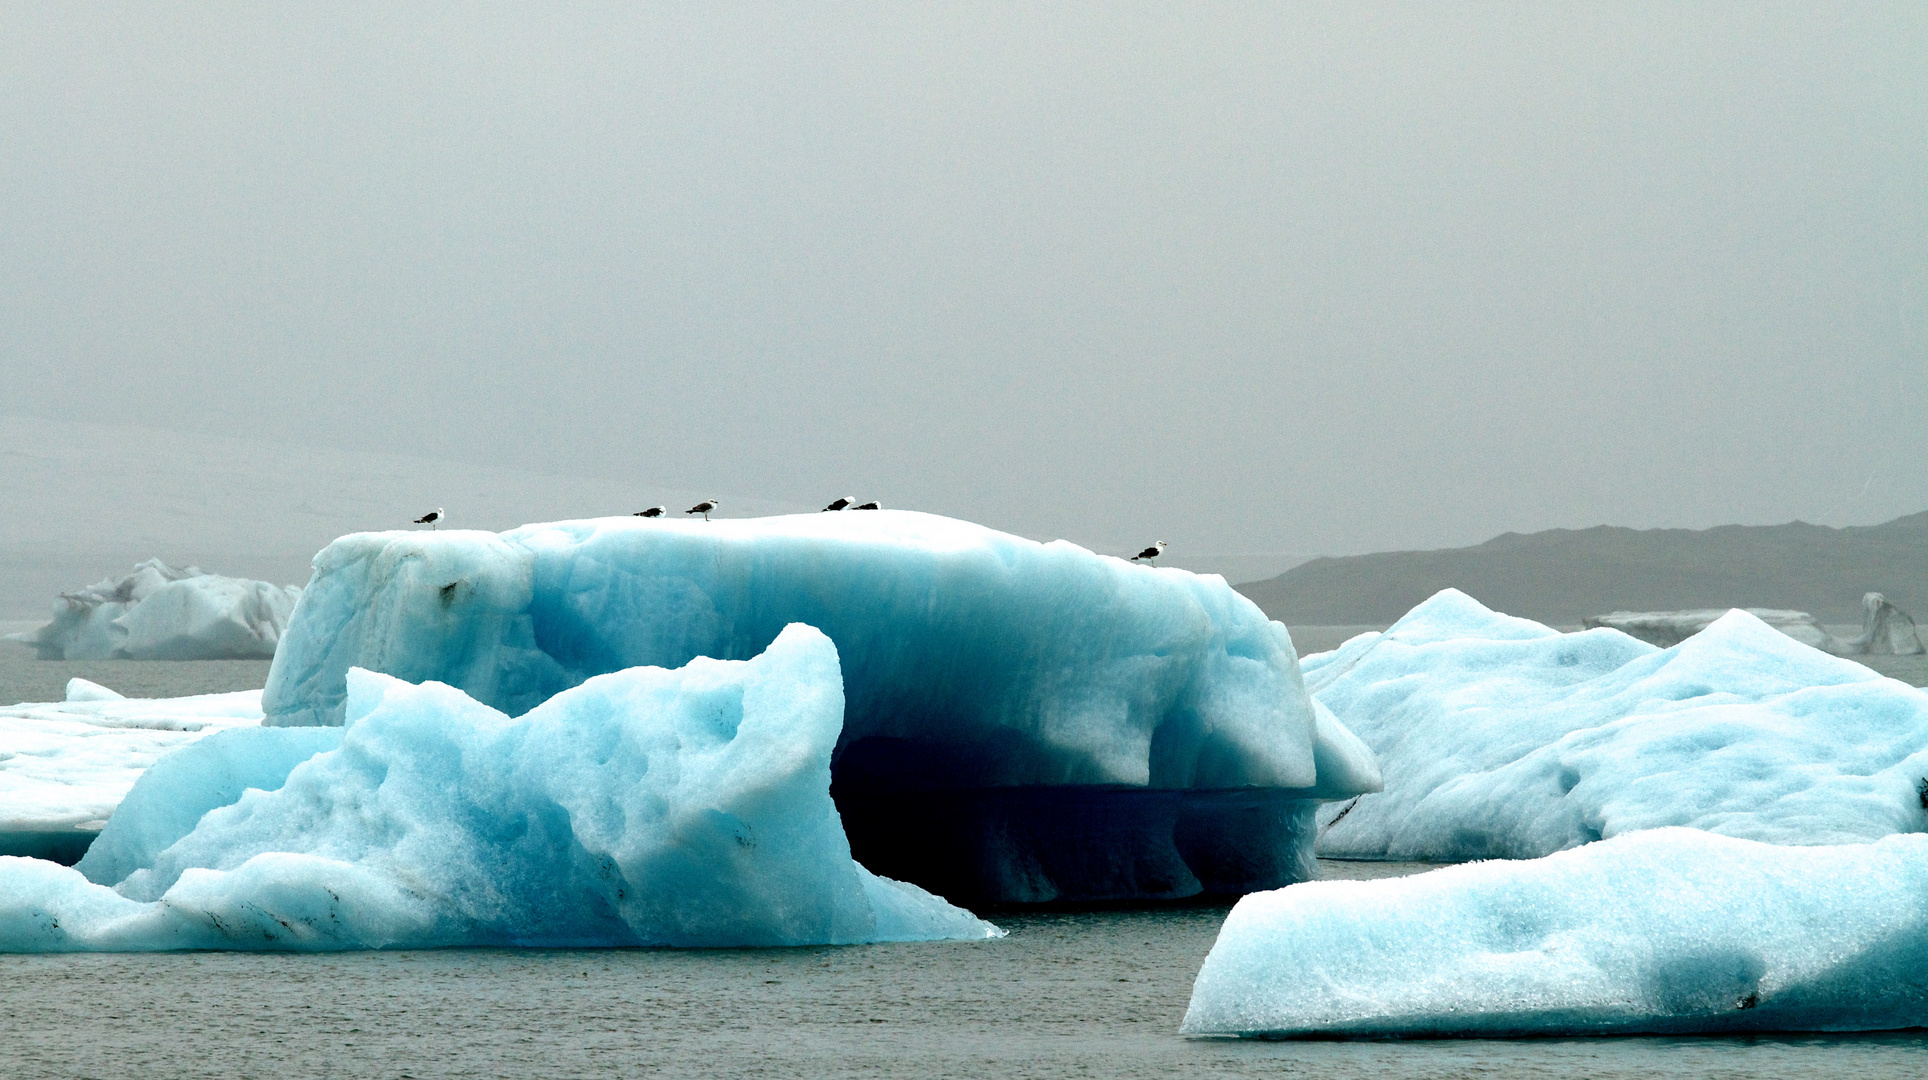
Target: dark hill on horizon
(1563,575)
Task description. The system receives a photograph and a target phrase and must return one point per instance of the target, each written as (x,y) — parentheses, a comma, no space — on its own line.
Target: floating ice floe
(1671,930)
(160,612)
(1024,721)
(1499,737)
(644,807)
(1886,630)
(64,766)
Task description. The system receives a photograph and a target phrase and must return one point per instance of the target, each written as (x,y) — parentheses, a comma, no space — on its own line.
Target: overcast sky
(1258,277)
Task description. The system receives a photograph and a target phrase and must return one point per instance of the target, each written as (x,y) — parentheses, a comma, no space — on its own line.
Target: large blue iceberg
(1500,737)
(1023,721)
(1671,930)
(646,807)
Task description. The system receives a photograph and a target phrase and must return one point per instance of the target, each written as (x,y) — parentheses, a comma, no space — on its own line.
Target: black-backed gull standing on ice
(840,504)
(431,519)
(654,511)
(703,508)
(871,505)
(1150,553)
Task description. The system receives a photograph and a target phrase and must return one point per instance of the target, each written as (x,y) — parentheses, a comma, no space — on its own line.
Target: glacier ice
(1886,630)
(65,766)
(1500,737)
(1669,930)
(643,807)
(160,612)
(992,682)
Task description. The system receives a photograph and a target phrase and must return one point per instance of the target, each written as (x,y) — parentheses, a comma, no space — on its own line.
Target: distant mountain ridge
(1562,575)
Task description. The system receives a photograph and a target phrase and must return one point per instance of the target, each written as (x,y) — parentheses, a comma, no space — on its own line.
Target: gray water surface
(1095,994)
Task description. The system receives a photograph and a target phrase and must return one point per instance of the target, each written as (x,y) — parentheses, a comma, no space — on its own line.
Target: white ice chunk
(79,689)
(65,766)
(1672,930)
(1886,630)
(644,807)
(1499,737)
(160,612)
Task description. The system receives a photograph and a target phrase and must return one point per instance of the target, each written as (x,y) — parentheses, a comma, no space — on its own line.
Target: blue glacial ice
(1024,721)
(1671,930)
(644,807)
(65,765)
(160,612)
(1499,737)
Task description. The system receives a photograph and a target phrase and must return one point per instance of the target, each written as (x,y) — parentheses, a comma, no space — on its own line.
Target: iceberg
(1886,630)
(65,766)
(1667,931)
(1024,721)
(1502,738)
(160,612)
(643,807)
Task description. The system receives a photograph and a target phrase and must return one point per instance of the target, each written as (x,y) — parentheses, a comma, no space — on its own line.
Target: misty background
(1264,281)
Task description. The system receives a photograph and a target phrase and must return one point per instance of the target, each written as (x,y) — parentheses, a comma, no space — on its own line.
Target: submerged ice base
(1672,930)
(1500,737)
(974,662)
(644,807)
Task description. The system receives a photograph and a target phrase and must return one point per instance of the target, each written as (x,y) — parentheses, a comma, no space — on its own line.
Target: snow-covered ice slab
(992,682)
(1499,737)
(160,612)
(65,766)
(1886,630)
(645,807)
(1672,930)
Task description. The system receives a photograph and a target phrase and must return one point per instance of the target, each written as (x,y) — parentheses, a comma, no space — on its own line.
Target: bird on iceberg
(703,508)
(840,504)
(654,511)
(871,505)
(1150,553)
(431,518)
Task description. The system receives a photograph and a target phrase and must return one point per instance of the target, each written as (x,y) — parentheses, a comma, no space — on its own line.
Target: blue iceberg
(1671,930)
(1503,738)
(1023,721)
(644,807)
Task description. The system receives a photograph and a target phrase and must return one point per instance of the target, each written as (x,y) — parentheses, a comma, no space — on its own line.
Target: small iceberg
(1668,931)
(644,807)
(65,765)
(160,612)
(1886,630)
(1502,738)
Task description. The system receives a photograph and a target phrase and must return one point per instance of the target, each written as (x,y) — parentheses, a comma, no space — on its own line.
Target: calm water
(1067,994)
(1086,994)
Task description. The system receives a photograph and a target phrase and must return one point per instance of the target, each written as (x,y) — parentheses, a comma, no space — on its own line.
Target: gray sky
(1250,278)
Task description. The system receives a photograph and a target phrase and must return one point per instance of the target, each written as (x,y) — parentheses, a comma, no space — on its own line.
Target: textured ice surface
(64,766)
(974,661)
(1671,930)
(160,612)
(645,807)
(1886,630)
(1501,737)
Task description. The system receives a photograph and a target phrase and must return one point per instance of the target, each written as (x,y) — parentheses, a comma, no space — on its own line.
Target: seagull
(703,508)
(654,511)
(1150,553)
(840,504)
(430,519)
(871,505)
